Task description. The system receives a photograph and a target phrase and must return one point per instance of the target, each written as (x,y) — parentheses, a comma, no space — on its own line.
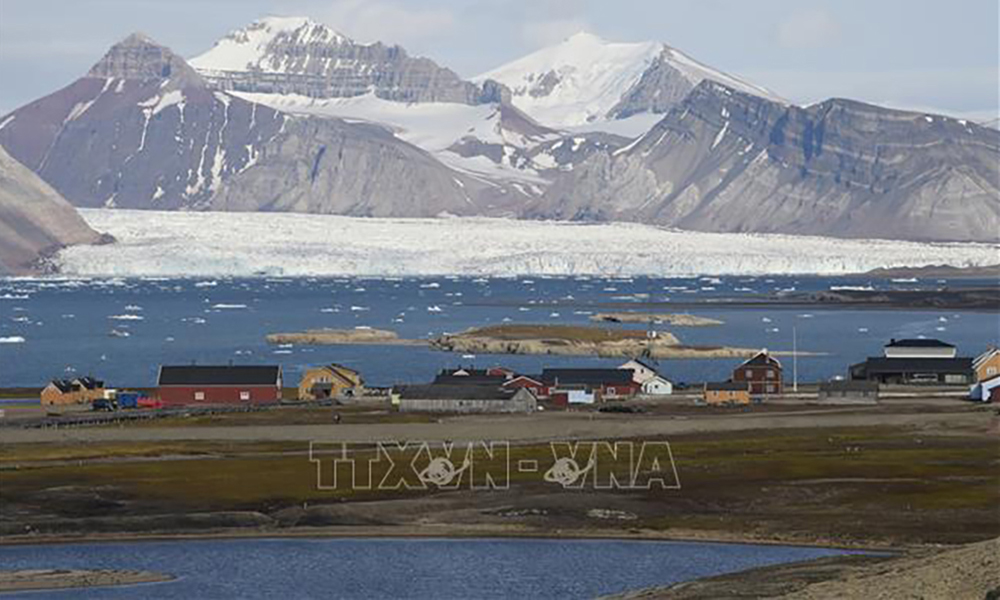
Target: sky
(919,54)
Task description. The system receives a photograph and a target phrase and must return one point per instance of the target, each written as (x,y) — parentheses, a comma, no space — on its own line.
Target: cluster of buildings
(500,390)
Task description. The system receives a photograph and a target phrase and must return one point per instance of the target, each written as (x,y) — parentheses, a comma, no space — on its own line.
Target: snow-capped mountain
(143,130)
(296,55)
(586,79)
(723,160)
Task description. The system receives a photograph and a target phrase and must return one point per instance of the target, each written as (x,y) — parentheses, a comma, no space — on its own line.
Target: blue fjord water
(67,325)
(398,568)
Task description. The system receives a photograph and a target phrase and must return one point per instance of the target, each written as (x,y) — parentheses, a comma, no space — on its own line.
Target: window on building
(770,374)
(770,388)
(199,395)
(244,395)
(991,370)
(749,374)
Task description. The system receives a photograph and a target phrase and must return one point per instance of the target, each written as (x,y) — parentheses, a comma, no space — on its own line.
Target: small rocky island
(54,579)
(677,320)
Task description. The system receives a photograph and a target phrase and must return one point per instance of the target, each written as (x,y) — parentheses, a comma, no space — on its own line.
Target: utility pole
(795,360)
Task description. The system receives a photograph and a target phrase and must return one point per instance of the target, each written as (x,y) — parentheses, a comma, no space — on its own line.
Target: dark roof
(643,363)
(880,364)
(918,343)
(587,376)
(453,392)
(476,378)
(90,383)
(728,386)
(848,386)
(762,359)
(215,375)
(63,385)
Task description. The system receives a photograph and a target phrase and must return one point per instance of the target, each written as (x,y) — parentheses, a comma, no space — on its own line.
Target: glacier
(216,244)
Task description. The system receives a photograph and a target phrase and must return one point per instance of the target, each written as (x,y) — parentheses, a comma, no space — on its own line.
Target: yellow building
(329,381)
(729,392)
(987,364)
(76,391)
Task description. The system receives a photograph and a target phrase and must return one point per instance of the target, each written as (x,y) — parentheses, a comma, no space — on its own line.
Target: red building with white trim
(198,385)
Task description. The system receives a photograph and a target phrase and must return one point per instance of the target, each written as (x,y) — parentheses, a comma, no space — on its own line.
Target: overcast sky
(922,54)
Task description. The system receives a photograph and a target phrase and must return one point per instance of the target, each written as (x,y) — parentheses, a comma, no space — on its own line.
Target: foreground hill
(723,160)
(34,219)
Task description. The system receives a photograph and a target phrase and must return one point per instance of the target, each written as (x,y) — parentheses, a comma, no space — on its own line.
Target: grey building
(463,399)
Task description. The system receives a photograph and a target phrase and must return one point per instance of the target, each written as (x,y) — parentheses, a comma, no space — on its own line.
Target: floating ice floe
(228,306)
(430,286)
(434,309)
(13,339)
(126,317)
(359,308)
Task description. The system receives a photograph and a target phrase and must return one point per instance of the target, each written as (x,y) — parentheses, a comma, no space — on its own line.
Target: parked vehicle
(146,402)
(128,399)
(103,404)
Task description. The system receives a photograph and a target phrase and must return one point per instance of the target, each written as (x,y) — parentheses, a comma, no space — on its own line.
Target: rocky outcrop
(295,55)
(34,219)
(727,161)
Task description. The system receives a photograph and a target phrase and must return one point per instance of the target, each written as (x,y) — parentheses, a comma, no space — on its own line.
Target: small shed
(986,391)
(848,392)
(727,392)
(657,386)
(61,392)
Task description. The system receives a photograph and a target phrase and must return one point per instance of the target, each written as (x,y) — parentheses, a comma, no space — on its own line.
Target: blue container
(128,400)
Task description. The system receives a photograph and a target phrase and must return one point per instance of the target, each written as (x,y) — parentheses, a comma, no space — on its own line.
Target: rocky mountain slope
(34,219)
(143,130)
(295,55)
(586,79)
(723,160)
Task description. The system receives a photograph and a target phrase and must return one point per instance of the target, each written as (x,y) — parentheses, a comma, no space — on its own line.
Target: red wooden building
(763,373)
(194,385)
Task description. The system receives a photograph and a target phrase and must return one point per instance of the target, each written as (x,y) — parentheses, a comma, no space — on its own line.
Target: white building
(657,386)
(919,348)
(641,372)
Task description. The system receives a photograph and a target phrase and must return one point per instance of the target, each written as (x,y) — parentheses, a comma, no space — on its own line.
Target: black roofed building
(243,384)
(919,348)
(887,370)
(585,386)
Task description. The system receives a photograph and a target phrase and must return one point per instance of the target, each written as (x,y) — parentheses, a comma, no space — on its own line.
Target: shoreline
(453,533)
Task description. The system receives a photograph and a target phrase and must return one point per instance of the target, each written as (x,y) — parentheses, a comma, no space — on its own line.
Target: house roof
(90,383)
(882,365)
(985,356)
(640,362)
(473,378)
(918,343)
(761,359)
(438,391)
(63,385)
(848,386)
(728,386)
(220,375)
(532,378)
(587,376)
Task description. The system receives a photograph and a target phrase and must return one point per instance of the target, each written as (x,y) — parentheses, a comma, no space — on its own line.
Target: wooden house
(987,364)
(919,348)
(657,385)
(727,392)
(764,374)
(195,385)
(329,381)
(61,392)
(641,370)
(590,385)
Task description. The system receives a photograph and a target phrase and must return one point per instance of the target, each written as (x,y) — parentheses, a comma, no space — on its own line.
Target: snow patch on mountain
(189,244)
(249,47)
(583,78)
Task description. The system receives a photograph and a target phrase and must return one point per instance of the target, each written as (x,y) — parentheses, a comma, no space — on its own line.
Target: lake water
(399,568)
(65,325)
